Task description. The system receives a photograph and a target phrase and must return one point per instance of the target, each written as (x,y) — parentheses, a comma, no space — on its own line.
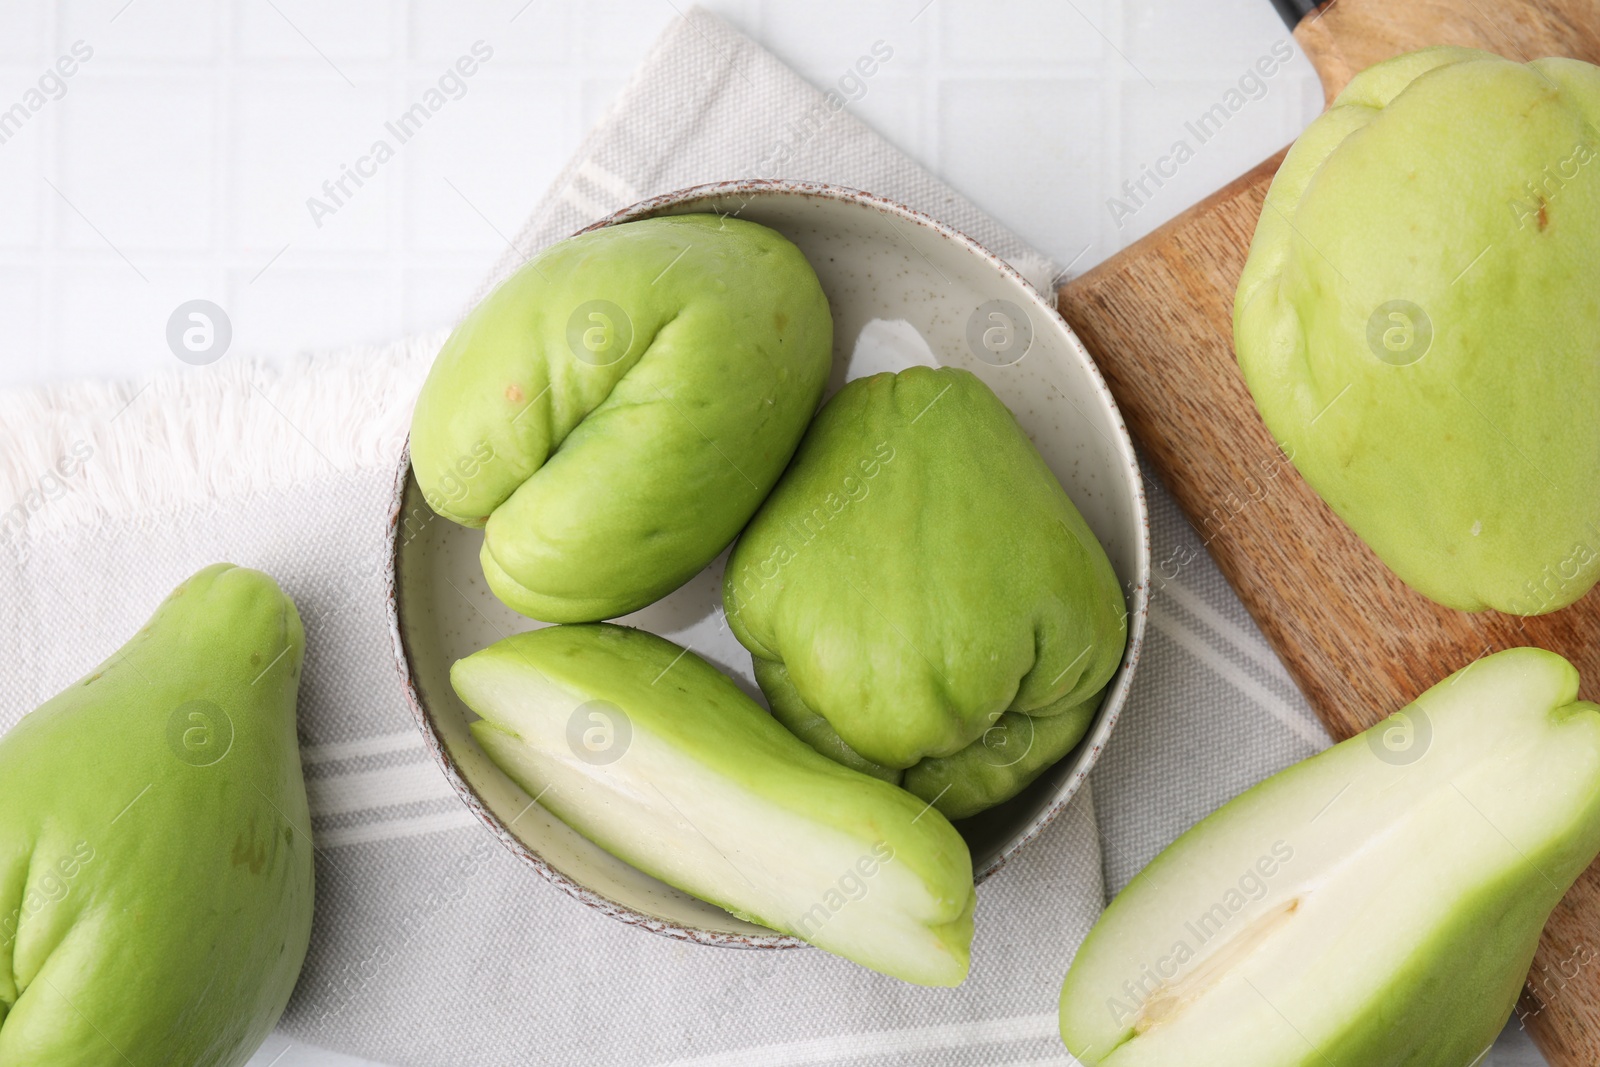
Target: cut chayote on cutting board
(922,600)
(1376,905)
(1419,322)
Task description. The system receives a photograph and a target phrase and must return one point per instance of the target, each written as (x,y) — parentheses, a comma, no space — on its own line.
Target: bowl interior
(904,290)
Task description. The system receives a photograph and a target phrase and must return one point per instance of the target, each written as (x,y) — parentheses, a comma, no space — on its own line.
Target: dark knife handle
(1294,11)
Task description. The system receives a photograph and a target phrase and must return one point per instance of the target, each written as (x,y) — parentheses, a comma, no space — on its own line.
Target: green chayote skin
(1419,322)
(155,863)
(1003,762)
(918,574)
(789,708)
(616,411)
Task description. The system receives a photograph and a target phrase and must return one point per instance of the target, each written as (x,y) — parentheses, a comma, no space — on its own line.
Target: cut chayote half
(1376,905)
(616,410)
(653,754)
(917,584)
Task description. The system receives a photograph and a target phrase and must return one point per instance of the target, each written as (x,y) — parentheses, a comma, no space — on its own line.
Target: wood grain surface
(1158,318)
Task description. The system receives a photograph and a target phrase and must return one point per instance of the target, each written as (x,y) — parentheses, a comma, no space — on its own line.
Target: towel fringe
(86,452)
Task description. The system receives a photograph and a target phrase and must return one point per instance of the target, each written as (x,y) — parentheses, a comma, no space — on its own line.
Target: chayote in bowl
(1419,322)
(694,784)
(615,412)
(922,600)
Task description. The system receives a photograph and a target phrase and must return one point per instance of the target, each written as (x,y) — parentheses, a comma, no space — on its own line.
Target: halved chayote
(691,781)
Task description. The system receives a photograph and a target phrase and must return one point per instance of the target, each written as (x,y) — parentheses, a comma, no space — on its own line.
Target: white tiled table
(179,160)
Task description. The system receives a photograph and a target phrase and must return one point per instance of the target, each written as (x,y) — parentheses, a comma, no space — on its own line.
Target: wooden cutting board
(1158,319)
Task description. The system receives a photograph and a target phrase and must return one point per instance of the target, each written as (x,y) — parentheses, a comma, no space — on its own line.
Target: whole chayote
(922,599)
(1419,322)
(156,881)
(615,411)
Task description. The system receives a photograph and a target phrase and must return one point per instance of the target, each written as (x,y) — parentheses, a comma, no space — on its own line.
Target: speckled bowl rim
(1087,752)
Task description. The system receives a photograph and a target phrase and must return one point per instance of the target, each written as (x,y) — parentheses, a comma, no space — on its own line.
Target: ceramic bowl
(904,289)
